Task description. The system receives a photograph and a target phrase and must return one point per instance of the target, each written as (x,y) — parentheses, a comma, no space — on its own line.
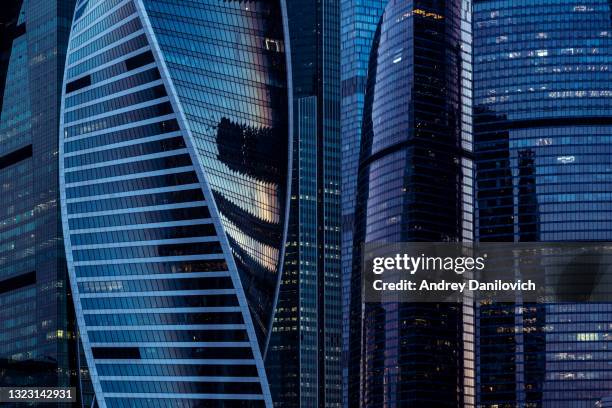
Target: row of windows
(544,21)
(148,130)
(159,302)
(197,101)
(145,166)
(81,7)
(109,55)
(587,98)
(21,230)
(176,387)
(156,336)
(123,66)
(148,251)
(496,7)
(102,7)
(528,43)
(179,353)
(214,56)
(124,152)
(185,231)
(177,370)
(152,285)
(20,295)
(108,105)
(556,36)
(183,318)
(128,269)
(119,119)
(138,79)
(149,217)
(132,184)
(115,35)
(115,17)
(527,111)
(557,83)
(122,402)
(136,201)
(129,82)
(225,16)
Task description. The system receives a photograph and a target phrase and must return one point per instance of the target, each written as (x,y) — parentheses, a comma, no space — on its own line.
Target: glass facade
(543,127)
(304,357)
(413,184)
(37,324)
(174,179)
(359,19)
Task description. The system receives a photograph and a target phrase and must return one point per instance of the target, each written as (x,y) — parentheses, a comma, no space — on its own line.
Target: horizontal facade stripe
(179,379)
(107,81)
(108,37)
(169,153)
(111,56)
(131,176)
(128,244)
(155,259)
(109,63)
(104,49)
(191,361)
(108,114)
(198,221)
(159,293)
(187,204)
(110,146)
(105,31)
(249,397)
(170,327)
(154,277)
(78,27)
(125,92)
(209,309)
(191,344)
(101,26)
(126,126)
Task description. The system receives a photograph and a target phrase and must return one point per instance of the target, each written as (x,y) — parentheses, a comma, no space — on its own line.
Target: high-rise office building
(543,136)
(358,22)
(414,184)
(304,356)
(174,163)
(37,333)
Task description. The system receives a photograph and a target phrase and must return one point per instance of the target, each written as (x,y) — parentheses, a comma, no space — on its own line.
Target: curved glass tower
(410,188)
(543,138)
(174,156)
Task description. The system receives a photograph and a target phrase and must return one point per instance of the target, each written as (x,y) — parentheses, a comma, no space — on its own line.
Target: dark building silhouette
(38,339)
(304,355)
(413,165)
(542,133)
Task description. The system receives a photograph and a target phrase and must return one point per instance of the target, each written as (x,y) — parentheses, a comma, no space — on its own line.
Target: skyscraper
(304,356)
(359,19)
(543,132)
(413,185)
(37,333)
(174,166)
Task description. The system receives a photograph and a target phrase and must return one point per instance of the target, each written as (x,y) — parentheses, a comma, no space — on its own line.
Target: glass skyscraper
(414,184)
(174,161)
(304,356)
(543,138)
(37,333)
(358,22)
